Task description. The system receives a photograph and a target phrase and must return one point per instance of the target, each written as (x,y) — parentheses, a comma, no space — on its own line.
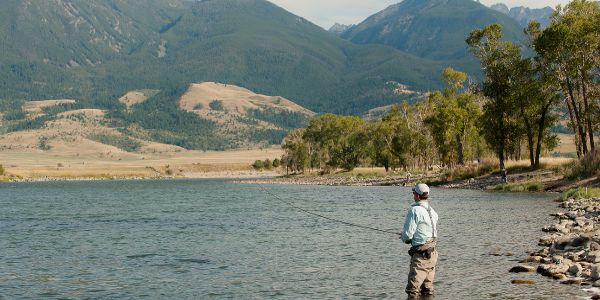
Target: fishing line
(322,216)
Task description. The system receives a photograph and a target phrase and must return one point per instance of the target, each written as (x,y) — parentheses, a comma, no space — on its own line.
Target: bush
(258,165)
(1,170)
(276,163)
(198,106)
(586,167)
(43,143)
(216,105)
(267,164)
(581,193)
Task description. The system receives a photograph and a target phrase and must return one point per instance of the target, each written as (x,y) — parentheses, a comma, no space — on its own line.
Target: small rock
(596,283)
(522,269)
(593,256)
(594,246)
(595,272)
(546,241)
(596,297)
(559,276)
(522,281)
(575,270)
(577,281)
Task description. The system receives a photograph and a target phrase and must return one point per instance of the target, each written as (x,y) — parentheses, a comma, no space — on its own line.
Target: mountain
(524,14)
(431,29)
(98,50)
(135,59)
(501,7)
(339,29)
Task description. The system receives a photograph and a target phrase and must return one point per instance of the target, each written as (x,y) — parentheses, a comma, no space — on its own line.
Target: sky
(325,13)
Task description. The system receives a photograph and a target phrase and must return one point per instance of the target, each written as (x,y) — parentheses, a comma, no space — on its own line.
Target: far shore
(27,165)
(54,165)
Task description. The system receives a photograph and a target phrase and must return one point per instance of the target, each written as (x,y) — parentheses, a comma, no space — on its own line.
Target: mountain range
(98,51)
(432,29)
(524,14)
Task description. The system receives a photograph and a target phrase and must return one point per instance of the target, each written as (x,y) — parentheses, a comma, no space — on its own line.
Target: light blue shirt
(417,226)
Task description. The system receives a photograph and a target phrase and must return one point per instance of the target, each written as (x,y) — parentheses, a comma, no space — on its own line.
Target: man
(420,231)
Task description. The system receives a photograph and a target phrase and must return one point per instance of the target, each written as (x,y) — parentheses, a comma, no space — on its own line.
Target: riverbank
(551,178)
(571,247)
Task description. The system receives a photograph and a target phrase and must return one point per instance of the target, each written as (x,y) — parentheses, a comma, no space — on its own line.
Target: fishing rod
(276,197)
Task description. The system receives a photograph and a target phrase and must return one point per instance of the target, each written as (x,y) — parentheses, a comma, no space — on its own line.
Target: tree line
(518,102)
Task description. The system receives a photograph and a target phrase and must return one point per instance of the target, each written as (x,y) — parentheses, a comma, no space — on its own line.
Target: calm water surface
(221,240)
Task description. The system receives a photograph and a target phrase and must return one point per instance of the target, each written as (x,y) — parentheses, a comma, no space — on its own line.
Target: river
(199,239)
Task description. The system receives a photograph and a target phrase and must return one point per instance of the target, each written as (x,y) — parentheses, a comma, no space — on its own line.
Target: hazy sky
(327,12)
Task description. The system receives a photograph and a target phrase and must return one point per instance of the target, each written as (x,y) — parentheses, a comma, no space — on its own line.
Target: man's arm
(410,226)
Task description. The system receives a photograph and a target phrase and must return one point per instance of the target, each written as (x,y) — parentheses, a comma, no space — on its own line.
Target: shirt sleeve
(410,226)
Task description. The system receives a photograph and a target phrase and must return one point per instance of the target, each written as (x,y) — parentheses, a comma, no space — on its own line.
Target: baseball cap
(421,188)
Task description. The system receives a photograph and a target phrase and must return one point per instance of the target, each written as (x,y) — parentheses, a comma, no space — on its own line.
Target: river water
(216,239)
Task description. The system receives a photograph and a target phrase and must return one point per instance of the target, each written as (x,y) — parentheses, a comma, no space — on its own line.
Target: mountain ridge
(431,29)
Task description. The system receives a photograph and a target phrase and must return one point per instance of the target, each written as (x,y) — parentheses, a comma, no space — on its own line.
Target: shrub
(198,106)
(267,164)
(581,193)
(43,143)
(586,167)
(276,163)
(216,105)
(258,165)
(1,170)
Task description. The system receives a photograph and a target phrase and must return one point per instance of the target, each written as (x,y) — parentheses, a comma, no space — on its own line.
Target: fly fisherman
(420,231)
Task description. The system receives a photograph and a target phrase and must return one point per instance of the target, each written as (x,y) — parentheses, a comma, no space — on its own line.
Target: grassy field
(34,163)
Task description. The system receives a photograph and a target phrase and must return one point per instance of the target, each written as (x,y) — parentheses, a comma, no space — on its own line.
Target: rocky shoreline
(571,248)
(344,180)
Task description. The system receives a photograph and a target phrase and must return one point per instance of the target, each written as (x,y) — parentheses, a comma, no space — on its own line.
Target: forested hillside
(97,50)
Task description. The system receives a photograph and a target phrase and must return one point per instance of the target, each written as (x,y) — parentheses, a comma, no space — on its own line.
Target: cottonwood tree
(499,60)
(569,48)
(453,122)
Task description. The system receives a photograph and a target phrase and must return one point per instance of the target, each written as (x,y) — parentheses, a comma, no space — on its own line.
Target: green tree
(296,151)
(498,60)
(453,120)
(569,48)
(390,140)
(339,141)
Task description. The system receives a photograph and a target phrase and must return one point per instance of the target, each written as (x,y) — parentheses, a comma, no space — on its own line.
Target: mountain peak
(433,29)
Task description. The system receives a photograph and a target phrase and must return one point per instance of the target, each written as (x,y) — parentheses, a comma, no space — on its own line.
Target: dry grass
(234,99)
(69,162)
(236,102)
(34,108)
(567,144)
(134,97)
